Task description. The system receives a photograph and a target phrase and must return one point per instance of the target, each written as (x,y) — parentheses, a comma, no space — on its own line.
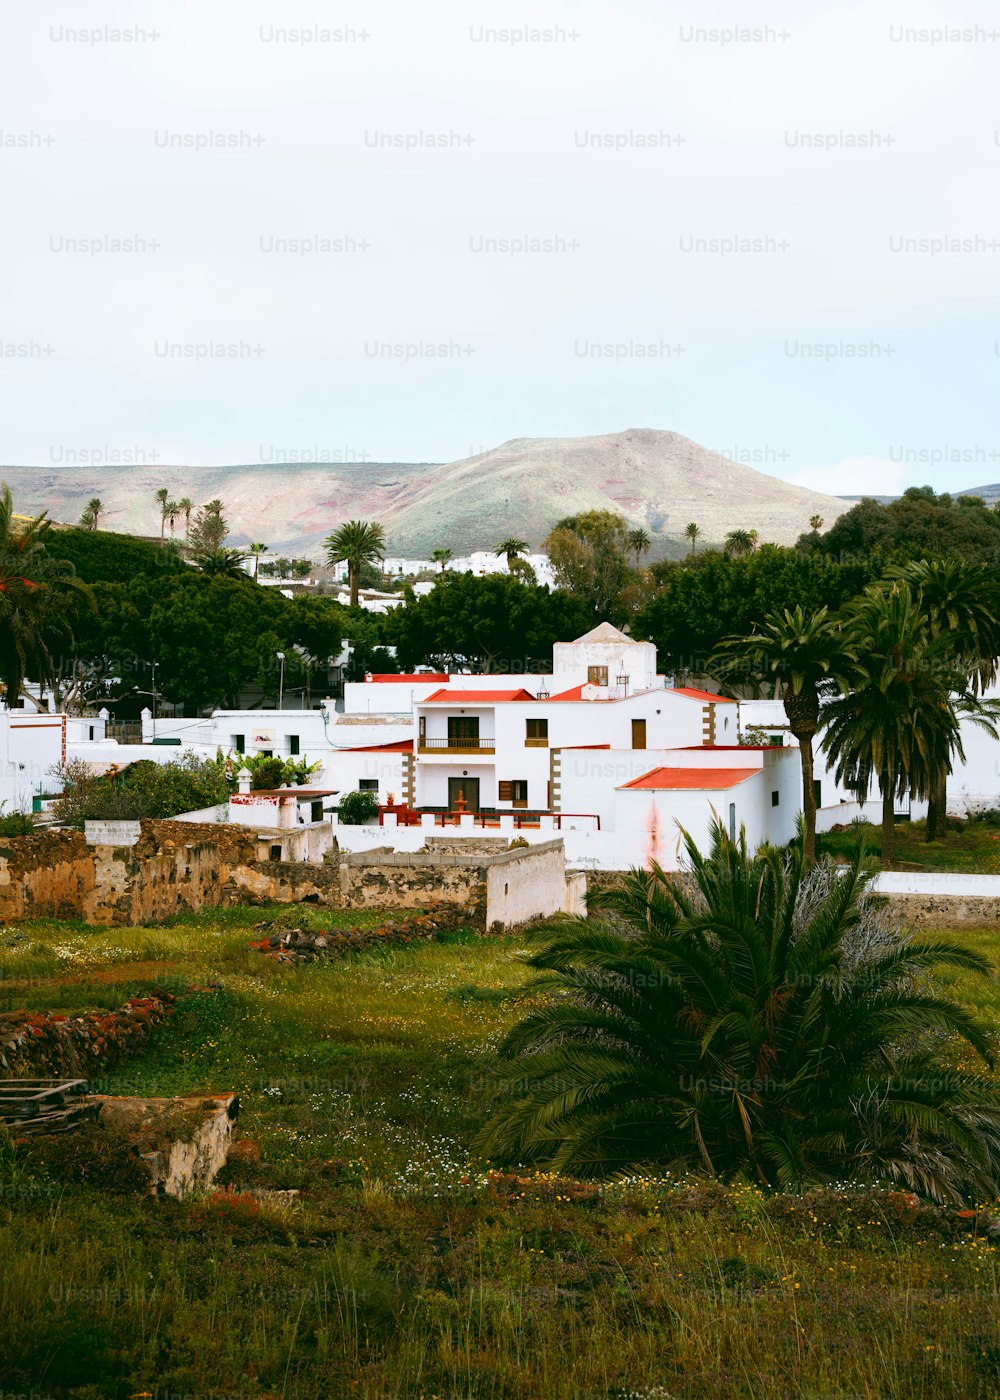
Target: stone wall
(180,867)
(175,867)
(514,885)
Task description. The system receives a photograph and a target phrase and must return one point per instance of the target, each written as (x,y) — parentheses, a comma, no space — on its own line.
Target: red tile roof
(701,694)
(400,746)
(690,779)
(477,697)
(576,693)
(418,677)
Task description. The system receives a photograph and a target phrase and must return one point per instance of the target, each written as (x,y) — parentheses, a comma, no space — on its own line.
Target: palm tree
(806,656)
(223,563)
(899,722)
(959,600)
(741,542)
(187,506)
(816,523)
(441,556)
(357,542)
(35,591)
(692,531)
(92,512)
(173,509)
(766,1026)
(510,549)
(163,496)
(639,543)
(257,549)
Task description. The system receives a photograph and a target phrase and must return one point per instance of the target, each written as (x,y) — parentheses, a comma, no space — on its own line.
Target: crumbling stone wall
(181,867)
(174,868)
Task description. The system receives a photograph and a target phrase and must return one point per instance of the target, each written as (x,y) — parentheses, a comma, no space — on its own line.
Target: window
(536,733)
(775,798)
(293,743)
(316,811)
(463,731)
(513,790)
(368,785)
(597,675)
(238,742)
(818,791)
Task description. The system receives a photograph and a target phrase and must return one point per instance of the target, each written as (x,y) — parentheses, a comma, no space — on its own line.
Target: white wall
(32,744)
(344,771)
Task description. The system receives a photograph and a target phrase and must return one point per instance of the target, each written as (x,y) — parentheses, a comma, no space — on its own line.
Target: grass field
(405,1270)
(968,847)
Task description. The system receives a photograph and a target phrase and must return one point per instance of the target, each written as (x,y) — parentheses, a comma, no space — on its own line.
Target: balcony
(455,744)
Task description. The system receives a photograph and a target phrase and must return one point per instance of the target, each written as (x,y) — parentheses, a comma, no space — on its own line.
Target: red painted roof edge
(735,776)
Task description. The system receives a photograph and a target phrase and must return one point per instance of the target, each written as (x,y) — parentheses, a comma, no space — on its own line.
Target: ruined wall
(387,879)
(526,883)
(174,868)
(180,867)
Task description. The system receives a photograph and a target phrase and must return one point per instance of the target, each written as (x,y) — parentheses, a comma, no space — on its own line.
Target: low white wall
(526,885)
(219,813)
(936,882)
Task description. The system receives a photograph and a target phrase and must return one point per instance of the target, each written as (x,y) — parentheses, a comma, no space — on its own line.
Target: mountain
(990,494)
(657,480)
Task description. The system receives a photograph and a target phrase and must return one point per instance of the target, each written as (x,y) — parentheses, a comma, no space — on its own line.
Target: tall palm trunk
(352,576)
(888,821)
(808,798)
(802,712)
(937,805)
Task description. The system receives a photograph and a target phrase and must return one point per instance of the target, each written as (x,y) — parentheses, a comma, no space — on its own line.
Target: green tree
(442,557)
(162,497)
(806,656)
(257,549)
(639,543)
(355,543)
(208,533)
(588,555)
(227,563)
(703,601)
(510,549)
(487,622)
(770,1026)
(961,603)
(740,542)
(899,722)
(692,531)
(92,512)
(37,593)
(919,524)
(186,505)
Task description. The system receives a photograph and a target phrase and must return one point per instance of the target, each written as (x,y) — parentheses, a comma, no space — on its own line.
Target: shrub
(143,789)
(772,1026)
(356,808)
(269,773)
(15,823)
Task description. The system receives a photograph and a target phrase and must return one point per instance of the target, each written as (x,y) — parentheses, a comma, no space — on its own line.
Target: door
(463,731)
(468,790)
(638,733)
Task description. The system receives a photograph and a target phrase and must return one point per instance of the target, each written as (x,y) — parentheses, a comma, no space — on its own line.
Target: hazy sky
(323,198)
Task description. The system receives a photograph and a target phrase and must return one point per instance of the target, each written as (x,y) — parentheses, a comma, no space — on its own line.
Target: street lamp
(281,680)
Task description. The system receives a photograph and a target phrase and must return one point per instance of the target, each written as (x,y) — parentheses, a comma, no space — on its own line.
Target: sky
(409,230)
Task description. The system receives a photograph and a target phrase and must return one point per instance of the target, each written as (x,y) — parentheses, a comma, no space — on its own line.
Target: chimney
(244,778)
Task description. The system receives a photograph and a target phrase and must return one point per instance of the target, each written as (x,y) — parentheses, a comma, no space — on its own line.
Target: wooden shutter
(505,791)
